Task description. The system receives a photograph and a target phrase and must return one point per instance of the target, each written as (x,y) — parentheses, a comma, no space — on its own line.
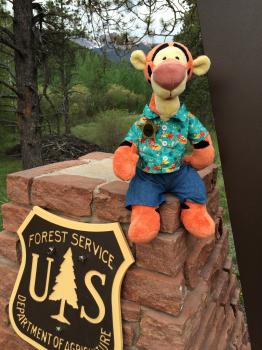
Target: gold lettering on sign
(96,296)
(65,287)
(94,248)
(47,237)
(37,298)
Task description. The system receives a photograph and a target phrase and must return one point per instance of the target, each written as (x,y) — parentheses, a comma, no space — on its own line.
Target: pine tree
(65,287)
(63,23)
(18,31)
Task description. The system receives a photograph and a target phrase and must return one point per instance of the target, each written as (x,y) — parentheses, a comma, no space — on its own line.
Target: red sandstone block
(225,335)
(10,341)
(170,214)
(221,285)
(209,176)
(4,321)
(13,216)
(217,258)
(213,203)
(8,273)
(19,183)
(130,311)
(194,305)
(128,334)
(235,297)
(230,291)
(199,252)
(211,336)
(165,254)
(219,223)
(246,337)
(110,202)
(228,264)
(246,346)
(71,194)
(237,334)
(8,243)
(96,156)
(219,226)
(161,331)
(205,327)
(154,290)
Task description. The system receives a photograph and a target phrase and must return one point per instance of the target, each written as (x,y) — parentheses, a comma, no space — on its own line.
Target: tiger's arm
(125,160)
(203,154)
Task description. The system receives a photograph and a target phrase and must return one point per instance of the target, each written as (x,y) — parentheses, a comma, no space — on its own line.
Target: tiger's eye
(164,58)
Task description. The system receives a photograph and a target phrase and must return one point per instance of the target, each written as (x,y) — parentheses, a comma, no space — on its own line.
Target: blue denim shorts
(149,189)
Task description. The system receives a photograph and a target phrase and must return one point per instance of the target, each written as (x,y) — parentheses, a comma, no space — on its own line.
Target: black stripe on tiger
(182,49)
(149,71)
(159,49)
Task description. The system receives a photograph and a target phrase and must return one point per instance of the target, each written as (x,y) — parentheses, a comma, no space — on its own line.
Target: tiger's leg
(145,224)
(144,196)
(190,189)
(196,220)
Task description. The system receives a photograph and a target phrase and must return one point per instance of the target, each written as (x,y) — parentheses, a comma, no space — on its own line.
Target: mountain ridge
(113,54)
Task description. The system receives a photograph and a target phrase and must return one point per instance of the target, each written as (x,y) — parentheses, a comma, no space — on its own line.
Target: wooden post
(232,32)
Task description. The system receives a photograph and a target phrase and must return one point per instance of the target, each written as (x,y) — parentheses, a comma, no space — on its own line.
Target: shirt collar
(181,115)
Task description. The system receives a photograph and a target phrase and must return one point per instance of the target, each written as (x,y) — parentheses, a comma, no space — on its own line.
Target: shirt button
(164,127)
(165,158)
(164,143)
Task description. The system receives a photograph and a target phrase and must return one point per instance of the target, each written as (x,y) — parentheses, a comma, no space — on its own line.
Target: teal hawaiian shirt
(163,150)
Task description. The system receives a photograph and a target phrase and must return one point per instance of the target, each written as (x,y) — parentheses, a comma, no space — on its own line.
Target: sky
(166,15)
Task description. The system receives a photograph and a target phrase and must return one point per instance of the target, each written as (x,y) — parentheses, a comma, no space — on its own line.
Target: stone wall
(180,295)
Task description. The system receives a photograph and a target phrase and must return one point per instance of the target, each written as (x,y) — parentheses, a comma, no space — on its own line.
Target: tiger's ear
(138,59)
(201,65)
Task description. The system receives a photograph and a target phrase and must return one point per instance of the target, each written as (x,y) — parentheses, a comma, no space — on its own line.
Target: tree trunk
(66,114)
(58,129)
(64,86)
(26,83)
(64,78)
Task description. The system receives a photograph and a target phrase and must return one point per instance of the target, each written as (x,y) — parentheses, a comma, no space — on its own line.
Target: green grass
(7,165)
(107,129)
(220,180)
(223,204)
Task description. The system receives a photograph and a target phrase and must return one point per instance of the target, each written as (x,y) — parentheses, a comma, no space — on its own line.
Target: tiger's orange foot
(197,221)
(145,224)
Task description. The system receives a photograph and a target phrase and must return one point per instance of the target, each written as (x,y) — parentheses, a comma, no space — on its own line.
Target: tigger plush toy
(152,154)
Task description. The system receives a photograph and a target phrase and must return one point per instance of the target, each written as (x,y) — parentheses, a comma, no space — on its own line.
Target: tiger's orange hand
(202,157)
(124,162)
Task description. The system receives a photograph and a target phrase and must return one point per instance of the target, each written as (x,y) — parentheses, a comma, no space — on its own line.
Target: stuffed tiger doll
(152,154)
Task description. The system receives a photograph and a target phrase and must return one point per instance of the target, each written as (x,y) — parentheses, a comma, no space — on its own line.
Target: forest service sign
(67,293)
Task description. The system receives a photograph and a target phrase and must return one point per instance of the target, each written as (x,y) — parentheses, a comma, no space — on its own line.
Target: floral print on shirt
(163,153)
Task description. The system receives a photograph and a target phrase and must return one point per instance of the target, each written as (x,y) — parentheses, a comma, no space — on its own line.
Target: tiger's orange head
(168,67)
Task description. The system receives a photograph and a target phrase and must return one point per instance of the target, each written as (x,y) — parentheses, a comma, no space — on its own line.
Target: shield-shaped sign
(67,293)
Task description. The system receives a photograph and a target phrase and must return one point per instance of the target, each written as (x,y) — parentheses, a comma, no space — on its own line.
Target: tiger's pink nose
(169,75)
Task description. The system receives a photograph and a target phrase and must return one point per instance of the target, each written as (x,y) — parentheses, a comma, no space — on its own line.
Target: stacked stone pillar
(181,294)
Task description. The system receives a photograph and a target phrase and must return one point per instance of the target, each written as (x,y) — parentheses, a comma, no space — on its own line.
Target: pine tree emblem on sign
(67,293)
